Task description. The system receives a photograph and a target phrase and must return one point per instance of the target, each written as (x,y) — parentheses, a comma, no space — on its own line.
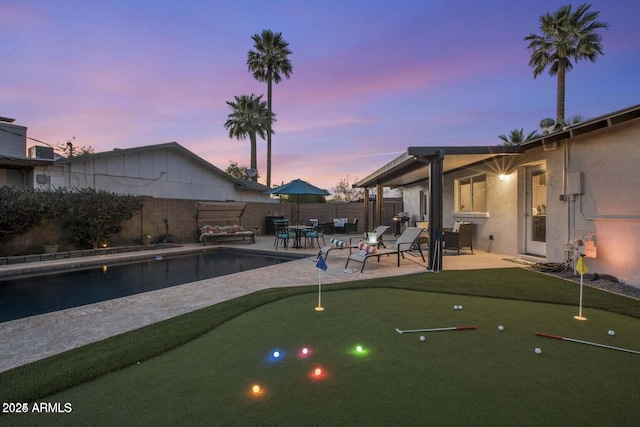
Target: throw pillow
(367,249)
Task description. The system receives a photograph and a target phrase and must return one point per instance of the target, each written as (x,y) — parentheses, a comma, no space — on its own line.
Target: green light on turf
(359,350)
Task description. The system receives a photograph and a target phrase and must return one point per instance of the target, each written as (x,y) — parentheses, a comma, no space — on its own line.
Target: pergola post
(366,209)
(379,203)
(436,192)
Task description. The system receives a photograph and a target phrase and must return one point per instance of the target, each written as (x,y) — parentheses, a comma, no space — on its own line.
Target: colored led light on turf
(276,354)
(317,373)
(305,351)
(255,389)
(359,349)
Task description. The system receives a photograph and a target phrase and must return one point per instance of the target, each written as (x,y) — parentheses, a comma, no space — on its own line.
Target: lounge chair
(380,230)
(407,241)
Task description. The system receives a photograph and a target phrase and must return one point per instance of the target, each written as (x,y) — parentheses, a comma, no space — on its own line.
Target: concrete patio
(33,338)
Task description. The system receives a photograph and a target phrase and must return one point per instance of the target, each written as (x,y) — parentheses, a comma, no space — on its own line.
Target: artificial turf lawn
(484,375)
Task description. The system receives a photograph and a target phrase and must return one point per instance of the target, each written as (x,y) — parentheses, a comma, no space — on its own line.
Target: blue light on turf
(276,354)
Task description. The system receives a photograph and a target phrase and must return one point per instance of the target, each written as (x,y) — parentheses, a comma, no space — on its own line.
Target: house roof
(10,162)
(410,166)
(240,184)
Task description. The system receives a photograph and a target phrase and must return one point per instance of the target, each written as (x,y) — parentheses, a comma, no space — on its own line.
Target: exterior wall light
(590,250)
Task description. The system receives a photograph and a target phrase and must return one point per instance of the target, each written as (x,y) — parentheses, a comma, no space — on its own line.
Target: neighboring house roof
(240,184)
(409,167)
(10,162)
(250,185)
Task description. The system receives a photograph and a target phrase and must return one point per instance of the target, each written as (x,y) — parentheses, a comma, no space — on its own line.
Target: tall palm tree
(248,117)
(516,137)
(566,37)
(269,63)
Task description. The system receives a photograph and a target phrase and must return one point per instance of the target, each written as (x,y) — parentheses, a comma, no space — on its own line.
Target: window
(472,194)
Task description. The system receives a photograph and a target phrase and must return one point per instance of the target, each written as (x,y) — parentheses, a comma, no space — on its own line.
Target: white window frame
(477,206)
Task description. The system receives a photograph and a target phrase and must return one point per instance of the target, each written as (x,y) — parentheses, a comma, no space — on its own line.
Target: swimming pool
(44,293)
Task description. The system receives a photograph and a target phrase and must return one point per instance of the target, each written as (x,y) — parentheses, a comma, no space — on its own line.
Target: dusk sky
(370,78)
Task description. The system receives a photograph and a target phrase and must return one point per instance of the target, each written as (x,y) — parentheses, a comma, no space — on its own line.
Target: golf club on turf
(452,328)
(558,337)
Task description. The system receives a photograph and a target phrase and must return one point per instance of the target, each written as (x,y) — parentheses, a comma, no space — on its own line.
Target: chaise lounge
(407,241)
(339,244)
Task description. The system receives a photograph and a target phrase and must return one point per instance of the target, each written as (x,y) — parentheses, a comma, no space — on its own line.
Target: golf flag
(321,264)
(581,267)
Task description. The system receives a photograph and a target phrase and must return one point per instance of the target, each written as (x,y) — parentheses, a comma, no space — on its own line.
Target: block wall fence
(180,216)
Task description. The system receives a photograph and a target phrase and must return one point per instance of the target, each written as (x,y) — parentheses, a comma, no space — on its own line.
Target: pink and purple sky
(370,78)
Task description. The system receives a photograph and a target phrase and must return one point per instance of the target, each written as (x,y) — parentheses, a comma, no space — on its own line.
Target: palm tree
(269,63)
(516,137)
(248,117)
(566,37)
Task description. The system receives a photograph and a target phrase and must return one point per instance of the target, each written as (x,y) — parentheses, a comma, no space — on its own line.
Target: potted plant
(167,238)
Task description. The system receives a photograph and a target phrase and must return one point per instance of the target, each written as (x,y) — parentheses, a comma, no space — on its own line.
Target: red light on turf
(317,373)
(305,351)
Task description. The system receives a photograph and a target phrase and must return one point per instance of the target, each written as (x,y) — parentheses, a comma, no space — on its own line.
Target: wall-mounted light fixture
(590,250)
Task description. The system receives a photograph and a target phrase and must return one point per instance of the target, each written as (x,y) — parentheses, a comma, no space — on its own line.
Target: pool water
(29,296)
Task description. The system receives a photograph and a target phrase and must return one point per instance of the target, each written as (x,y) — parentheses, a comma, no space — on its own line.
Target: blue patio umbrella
(298,187)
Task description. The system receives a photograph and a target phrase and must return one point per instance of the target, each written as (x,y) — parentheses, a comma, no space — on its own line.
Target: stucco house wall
(591,184)
(609,206)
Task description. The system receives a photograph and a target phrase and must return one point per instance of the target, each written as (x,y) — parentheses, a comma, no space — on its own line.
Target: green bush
(92,216)
(89,216)
(21,209)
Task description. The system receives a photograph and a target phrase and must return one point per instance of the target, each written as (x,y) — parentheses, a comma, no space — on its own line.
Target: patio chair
(407,241)
(424,236)
(315,233)
(380,230)
(276,223)
(283,233)
(351,227)
(458,237)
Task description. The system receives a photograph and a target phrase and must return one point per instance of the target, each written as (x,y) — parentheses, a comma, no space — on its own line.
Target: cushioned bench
(221,222)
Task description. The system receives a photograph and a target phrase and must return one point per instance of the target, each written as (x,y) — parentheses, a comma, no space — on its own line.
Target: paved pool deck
(26,340)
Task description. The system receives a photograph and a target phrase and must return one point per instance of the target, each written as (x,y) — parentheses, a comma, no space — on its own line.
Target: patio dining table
(299,229)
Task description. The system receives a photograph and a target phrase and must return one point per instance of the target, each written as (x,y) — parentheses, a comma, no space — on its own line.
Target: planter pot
(50,249)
